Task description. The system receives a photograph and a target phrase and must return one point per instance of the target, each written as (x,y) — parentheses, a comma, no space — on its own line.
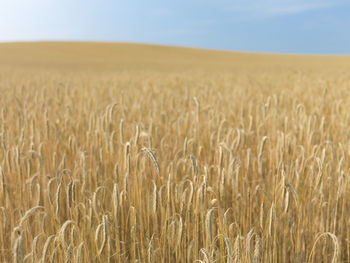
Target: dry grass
(125,153)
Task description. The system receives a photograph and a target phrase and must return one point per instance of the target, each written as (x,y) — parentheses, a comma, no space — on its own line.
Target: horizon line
(175,46)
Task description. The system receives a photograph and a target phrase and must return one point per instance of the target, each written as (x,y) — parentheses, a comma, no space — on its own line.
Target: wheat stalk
(153,158)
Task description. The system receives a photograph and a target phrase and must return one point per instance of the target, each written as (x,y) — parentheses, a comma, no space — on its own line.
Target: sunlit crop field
(136,153)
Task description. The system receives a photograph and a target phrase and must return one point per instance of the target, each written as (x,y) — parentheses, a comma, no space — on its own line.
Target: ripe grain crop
(136,153)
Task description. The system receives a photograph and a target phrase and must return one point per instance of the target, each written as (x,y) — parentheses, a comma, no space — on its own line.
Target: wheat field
(141,153)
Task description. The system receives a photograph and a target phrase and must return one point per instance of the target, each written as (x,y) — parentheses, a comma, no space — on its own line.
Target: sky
(281,26)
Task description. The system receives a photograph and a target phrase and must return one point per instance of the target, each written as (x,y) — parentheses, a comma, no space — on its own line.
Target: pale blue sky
(288,26)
